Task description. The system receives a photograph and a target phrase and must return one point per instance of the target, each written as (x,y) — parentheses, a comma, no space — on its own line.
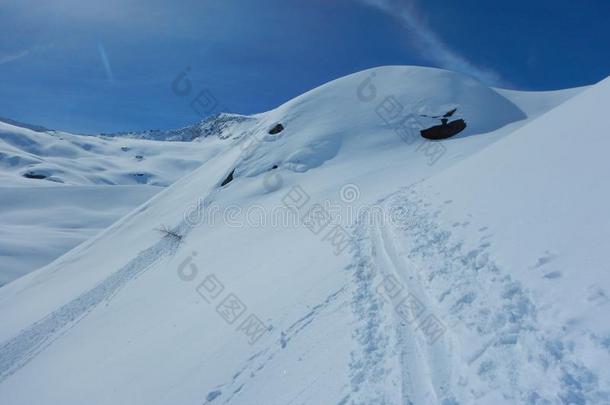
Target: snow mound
(351,111)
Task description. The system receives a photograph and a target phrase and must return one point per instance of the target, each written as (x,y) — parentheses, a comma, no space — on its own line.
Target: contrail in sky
(6,58)
(427,42)
(106,62)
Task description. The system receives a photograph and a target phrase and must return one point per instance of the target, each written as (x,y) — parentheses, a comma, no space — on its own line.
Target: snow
(541,233)
(86,160)
(534,104)
(43,218)
(39,224)
(468,274)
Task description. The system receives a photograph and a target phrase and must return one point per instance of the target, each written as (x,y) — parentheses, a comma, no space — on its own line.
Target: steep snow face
(277,287)
(514,263)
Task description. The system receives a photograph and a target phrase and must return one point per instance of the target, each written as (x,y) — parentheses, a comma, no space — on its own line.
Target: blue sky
(108,65)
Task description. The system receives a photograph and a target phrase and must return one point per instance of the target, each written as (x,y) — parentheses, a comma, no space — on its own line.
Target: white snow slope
(59,189)
(467,271)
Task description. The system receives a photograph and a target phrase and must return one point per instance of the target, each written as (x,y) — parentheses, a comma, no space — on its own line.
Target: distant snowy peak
(218,125)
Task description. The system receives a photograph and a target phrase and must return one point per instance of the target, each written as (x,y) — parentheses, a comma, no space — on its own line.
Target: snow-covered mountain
(325,253)
(214,125)
(59,189)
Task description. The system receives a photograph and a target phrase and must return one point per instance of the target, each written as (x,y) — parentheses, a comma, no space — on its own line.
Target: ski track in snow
(373,333)
(18,351)
(257,362)
(21,349)
(418,359)
(514,361)
(393,363)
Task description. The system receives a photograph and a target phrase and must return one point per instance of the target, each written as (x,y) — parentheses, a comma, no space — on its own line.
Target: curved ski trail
(494,349)
(395,363)
(22,348)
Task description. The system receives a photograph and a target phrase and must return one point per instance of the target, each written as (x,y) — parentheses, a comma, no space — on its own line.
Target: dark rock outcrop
(449,113)
(276,129)
(445,130)
(32,175)
(228,179)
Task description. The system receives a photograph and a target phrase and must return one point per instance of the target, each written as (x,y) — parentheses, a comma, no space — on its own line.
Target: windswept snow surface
(348,261)
(58,189)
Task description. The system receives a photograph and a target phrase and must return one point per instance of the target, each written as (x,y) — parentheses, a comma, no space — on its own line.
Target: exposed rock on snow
(228,179)
(32,175)
(445,130)
(276,129)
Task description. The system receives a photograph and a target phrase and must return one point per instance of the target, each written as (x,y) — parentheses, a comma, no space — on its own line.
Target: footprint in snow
(545,259)
(212,395)
(552,275)
(597,295)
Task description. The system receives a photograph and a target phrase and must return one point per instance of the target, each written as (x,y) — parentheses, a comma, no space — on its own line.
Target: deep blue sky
(107,65)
